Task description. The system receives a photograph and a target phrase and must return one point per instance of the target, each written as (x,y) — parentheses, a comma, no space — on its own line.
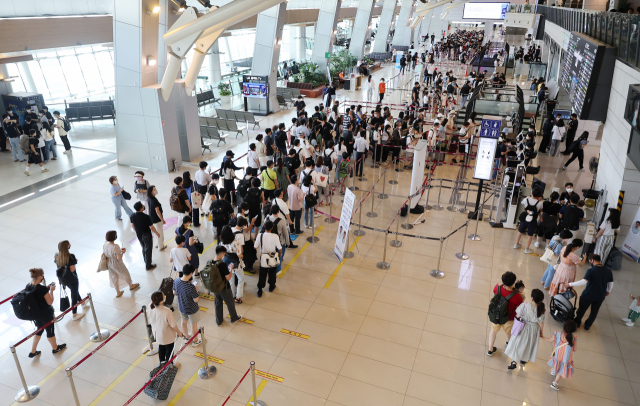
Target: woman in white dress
(119,276)
(371,84)
(524,347)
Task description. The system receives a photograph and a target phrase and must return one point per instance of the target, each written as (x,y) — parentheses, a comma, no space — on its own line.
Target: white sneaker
(527,251)
(27,173)
(536,244)
(196,343)
(86,305)
(78,316)
(45,170)
(517,246)
(626,320)
(629,324)
(581,170)
(316,215)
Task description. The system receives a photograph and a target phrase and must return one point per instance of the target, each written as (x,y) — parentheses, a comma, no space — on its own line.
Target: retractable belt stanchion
(207,371)
(493,200)
(313,239)
(353,187)
(148,349)
(99,335)
(396,243)
(464,209)
(437,206)
(73,387)
(27,392)
(408,226)
(255,401)
(374,164)
(348,254)
(372,213)
(383,195)
(454,193)
(462,255)
(359,232)
(437,273)
(395,164)
(427,206)
(384,264)
(330,219)
(475,236)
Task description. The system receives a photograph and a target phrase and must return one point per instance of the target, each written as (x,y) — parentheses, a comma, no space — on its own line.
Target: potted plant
(225,91)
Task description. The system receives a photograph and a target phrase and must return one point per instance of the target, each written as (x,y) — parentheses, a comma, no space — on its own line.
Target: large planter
(225,99)
(307,89)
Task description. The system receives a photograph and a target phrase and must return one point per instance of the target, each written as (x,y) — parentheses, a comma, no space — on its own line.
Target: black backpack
(243,187)
(499,307)
(253,199)
(24,303)
(571,217)
(327,160)
(218,213)
(575,145)
(66,125)
(533,208)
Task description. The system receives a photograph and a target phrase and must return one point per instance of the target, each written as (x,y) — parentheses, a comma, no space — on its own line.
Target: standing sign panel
(631,244)
(484,158)
(345,222)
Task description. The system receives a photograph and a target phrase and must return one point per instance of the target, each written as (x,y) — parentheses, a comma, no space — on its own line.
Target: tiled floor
(394,337)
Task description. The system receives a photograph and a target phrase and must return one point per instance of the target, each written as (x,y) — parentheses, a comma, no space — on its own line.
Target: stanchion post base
(359,233)
(205,373)
(463,210)
(462,255)
(406,226)
(395,243)
(437,274)
(393,182)
(352,188)
(383,196)
(257,403)
(145,350)
(25,396)
(330,220)
(399,170)
(475,237)
(383,265)
(437,207)
(452,208)
(374,166)
(348,254)
(96,338)
(372,214)
(428,207)
(313,239)
(361,179)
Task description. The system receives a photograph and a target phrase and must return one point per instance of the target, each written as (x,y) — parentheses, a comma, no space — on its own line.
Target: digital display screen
(258,90)
(485,11)
(484,158)
(576,78)
(632,109)
(633,150)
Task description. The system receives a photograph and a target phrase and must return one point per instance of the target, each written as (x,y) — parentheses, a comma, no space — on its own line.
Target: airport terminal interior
(477,138)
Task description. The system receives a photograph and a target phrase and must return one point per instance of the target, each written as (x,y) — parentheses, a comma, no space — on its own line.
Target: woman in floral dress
(119,276)
(566,271)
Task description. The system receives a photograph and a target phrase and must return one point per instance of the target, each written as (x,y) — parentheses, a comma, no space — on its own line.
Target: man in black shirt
(10,123)
(317,113)
(572,128)
(599,281)
(415,93)
(229,155)
(269,143)
(221,212)
(299,104)
(464,92)
(281,140)
(226,294)
(143,226)
(348,138)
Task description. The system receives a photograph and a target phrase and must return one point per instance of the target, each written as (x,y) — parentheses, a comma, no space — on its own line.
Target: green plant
(224,89)
(341,61)
(367,60)
(309,73)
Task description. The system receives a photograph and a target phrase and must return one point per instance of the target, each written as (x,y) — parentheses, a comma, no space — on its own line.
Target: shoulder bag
(64,300)
(268,259)
(102,265)
(518,323)
(126,195)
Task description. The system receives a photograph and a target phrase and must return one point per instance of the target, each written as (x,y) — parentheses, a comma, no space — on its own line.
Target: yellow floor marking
(210,358)
(108,326)
(118,380)
(61,367)
(205,296)
(258,391)
(269,376)
(293,333)
(243,320)
(304,247)
(335,273)
(208,246)
(204,309)
(184,389)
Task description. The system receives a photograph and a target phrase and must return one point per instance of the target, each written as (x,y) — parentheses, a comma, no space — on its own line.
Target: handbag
(126,195)
(206,203)
(549,257)
(196,199)
(102,265)
(268,259)
(322,180)
(311,200)
(518,324)
(64,300)
(199,247)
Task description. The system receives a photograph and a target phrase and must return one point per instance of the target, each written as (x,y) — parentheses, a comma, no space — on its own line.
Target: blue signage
(490,128)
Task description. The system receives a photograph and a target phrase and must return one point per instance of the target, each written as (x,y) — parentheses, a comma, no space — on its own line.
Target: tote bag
(518,323)
(549,257)
(268,259)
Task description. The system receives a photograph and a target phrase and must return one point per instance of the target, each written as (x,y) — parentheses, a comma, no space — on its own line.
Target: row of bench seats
(90,110)
(242,116)
(287,96)
(380,56)
(214,128)
(206,97)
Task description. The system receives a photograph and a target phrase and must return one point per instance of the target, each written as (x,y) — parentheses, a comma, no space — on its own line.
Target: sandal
(120,294)
(134,286)
(239,301)
(34,354)
(513,365)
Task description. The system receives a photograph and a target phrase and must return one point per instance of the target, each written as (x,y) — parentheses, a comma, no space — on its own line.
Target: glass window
(38,79)
(91,73)
(17,84)
(73,75)
(105,64)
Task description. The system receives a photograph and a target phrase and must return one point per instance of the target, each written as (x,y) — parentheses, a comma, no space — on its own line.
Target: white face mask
(569,190)
(215,181)
(115,182)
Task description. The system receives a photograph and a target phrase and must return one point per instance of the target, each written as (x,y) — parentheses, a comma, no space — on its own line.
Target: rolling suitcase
(160,387)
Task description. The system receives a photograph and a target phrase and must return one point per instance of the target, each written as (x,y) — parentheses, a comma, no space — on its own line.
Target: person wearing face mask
(157,216)
(140,188)
(555,244)
(117,198)
(565,197)
(599,282)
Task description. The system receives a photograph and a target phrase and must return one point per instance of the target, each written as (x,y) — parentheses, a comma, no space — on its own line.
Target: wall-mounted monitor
(485,11)
(632,108)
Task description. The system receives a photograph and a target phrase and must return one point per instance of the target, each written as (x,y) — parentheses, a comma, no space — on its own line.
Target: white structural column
(402,36)
(386,18)
(146,129)
(361,27)
(5,87)
(325,31)
(215,70)
(301,42)
(266,53)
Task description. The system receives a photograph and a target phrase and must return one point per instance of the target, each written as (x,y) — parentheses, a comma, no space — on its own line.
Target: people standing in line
(163,326)
(179,256)
(229,181)
(221,212)
(253,160)
(49,150)
(606,234)
(296,203)
(599,282)
(261,150)
(187,295)
(566,271)
(119,275)
(308,188)
(523,348)
(157,215)
(143,226)
(529,218)
(117,198)
(507,291)
(68,277)
(34,153)
(184,207)
(64,135)
(323,171)
(140,188)
(189,243)
(203,177)
(268,180)
(267,243)
(233,243)
(564,343)
(225,295)
(577,150)
(280,228)
(555,244)
(360,146)
(43,296)
(282,174)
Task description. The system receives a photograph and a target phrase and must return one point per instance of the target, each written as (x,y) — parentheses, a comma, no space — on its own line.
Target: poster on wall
(345,222)
(631,244)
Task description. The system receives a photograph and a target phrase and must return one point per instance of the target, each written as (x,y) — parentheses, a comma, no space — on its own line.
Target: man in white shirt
(302,129)
(179,256)
(267,243)
(61,131)
(360,146)
(306,148)
(203,178)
